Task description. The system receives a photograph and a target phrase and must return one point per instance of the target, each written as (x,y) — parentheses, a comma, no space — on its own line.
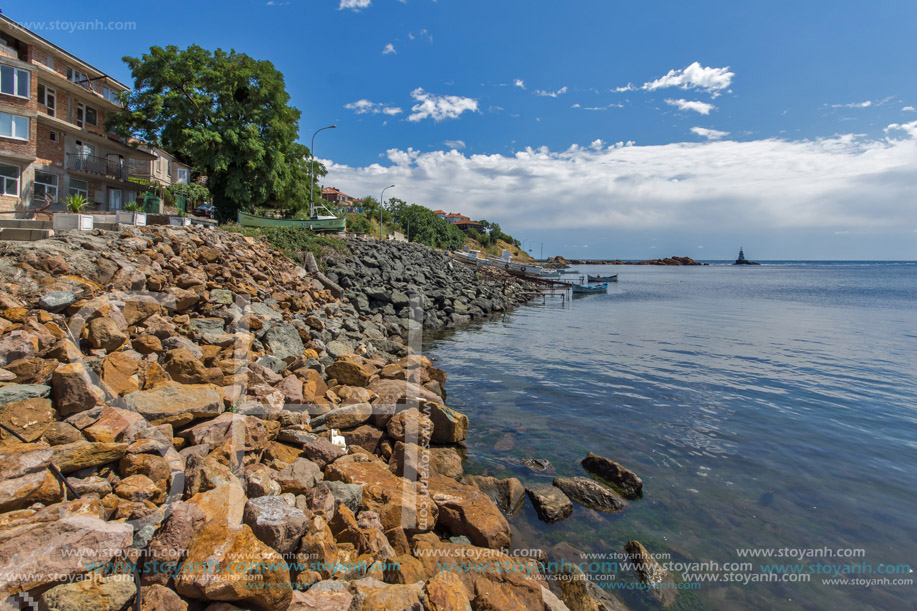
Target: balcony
(100,166)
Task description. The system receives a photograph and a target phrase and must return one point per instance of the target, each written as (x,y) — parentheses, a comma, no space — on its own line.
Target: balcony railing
(113,168)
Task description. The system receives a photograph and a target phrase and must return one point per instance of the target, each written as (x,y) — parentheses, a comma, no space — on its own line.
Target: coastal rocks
(588,493)
(662,585)
(465,510)
(55,301)
(371,594)
(21,392)
(82,454)
(623,478)
(299,477)
(29,418)
(221,563)
(347,370)
(507,494)
(73,391)
(349,495)
(284,341)
(550,503)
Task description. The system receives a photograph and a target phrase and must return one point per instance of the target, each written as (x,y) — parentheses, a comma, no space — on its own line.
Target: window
(183,176)
(77,77)
(111,95)
(9,175)
(14,81)
(47,97)
(14,126)
(84,150)
(46,184)
(85,115)
(52,136)
(79,187)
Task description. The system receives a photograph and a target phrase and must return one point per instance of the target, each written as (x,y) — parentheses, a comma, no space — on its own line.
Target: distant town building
(342,200)
(440,213)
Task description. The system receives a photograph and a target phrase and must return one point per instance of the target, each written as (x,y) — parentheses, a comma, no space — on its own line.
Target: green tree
(226,114)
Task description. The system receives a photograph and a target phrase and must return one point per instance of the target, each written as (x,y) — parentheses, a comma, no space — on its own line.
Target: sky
(593,128)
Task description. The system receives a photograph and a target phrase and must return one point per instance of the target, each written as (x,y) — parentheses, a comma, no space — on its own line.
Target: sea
(770,410)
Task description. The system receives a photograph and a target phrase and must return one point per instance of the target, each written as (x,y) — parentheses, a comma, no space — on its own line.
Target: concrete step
(7,223)
(24,235)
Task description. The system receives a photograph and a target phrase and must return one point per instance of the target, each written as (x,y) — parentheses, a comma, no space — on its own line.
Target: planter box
(63,222)
(180,221)
(132,218)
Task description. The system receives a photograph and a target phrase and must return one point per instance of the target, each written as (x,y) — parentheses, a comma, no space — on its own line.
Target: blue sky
(600,128)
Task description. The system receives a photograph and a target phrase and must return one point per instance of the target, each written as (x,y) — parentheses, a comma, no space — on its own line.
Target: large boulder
(400,503)
(299,477)
(660,583)
(276,523)
(465,510)
(176,405)
(29,418)
(73,390)
(110,593)
(507,494)
(22,472)
(222,562)
(588,493)
(350,372)
(284,341)
(614,473)
(72,457)
(247,432)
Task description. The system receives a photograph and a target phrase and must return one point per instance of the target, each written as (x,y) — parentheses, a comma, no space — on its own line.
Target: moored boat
(592,278)
(332,224)
(589,288)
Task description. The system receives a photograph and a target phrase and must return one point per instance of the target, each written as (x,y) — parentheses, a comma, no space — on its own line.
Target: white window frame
(182,176)
(51,188)
(73,190)
(81,115)
(6,181)
(78,78)
(18,74)
(45,93)
(85,150)
(14,130)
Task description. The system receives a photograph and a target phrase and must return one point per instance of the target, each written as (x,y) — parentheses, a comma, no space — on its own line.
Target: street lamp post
(381,201)
(312,167)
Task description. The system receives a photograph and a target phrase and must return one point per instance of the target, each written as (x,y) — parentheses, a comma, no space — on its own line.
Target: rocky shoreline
(190,410)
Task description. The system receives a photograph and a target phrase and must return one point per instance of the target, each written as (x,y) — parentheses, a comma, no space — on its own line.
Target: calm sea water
(764,407)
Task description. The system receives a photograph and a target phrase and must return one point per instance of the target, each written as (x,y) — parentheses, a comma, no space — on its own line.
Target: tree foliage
(226,114)
(426,227)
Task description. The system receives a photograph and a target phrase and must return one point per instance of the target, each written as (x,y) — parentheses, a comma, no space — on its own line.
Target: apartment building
(53,108)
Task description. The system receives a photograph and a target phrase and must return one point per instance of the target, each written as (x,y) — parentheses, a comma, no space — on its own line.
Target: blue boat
(592,278)
(589,288)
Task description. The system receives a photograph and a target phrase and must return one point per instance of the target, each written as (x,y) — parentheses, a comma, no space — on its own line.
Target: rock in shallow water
(551,504)
(590,494)
(614,473)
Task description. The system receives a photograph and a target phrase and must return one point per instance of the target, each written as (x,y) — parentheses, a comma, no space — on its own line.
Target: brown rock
(176,405)
(22,467)
(347,370)
(31,370)
(367,437)
(111,424)
(73,391)
(374,595)
(410,461)
(137,310)
(169,544)
(29,418)
(614,473)
(405,569)
(65,351)
(447,460)
(399,503)
(465,510)
(183,367)
(147,344)
(118,371)
(153,466)
(661,584)
(246,432)
(323,596)
(211,577)
(110,593)
(411,426)
(105,333)
(446,592)
(60,433)
(507,494)
(179,299)
(75,456)
(224,504)
(139,488)
(299,477)
(160,598)
(449,426)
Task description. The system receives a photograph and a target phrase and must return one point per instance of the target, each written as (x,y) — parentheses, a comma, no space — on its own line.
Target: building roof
(77,61)
(439,212)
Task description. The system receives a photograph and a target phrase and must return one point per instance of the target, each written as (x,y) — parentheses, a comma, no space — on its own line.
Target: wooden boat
(589,288)
(602,278)
(332,224)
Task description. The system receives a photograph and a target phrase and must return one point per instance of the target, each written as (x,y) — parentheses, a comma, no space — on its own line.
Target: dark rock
(626,480)
(588,493)
(550,503)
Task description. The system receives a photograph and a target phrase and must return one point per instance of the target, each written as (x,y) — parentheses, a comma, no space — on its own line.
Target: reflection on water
(767,407)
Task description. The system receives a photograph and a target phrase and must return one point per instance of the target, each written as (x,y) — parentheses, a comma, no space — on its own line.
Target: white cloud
(865,104)
(275,3)
(581,107)
(354,5)
(422,34)
(702,107)
(362,107)
(627,87)
(694,76)
(908,128)
(439,107)
(551,94)
(909,109)
(389,49)
(709,134)
(518,83)
(455,144)
(829,183)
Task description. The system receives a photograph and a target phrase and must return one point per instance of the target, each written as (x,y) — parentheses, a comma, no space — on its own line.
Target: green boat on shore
(321,224)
